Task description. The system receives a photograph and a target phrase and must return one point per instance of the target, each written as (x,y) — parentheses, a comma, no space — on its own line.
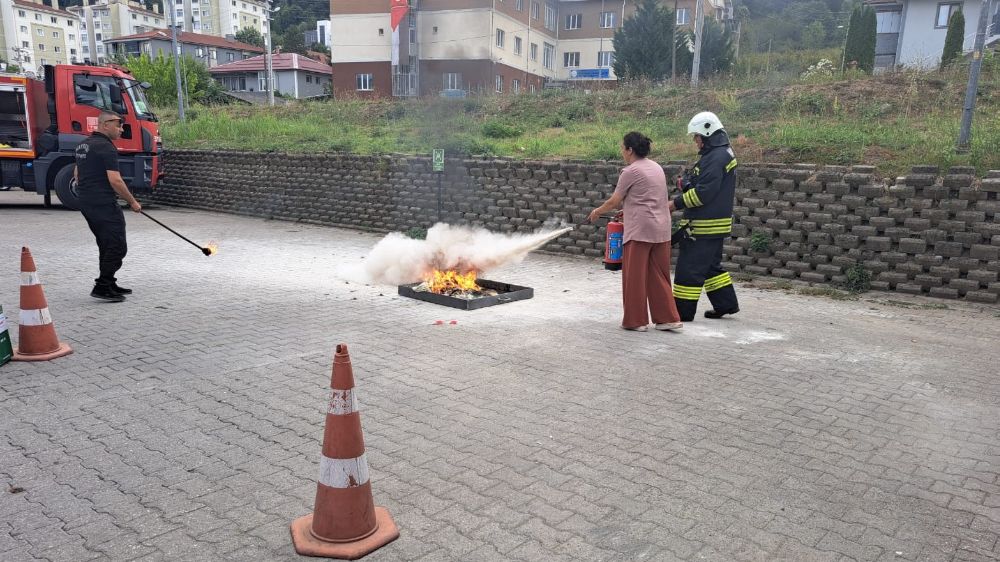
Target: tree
(953,41)
(866,62)
(250,36)
(717,50)
(159,72)
(293,40)
(642,44)
(860,46)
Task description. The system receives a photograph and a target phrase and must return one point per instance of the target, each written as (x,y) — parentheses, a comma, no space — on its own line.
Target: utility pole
(267,59)
(965,133)
(673,49)
(699,23)
(177,63)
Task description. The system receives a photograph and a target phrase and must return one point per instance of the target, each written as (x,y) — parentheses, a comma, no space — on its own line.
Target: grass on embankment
(893,121)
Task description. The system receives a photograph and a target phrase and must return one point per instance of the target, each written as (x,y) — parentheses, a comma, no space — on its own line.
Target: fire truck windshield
(139,101)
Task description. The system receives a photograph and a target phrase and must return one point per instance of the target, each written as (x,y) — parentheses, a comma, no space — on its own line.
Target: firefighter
(708,191)
(99,184)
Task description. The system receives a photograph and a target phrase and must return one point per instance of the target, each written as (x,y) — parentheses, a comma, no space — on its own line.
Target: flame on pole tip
(398,260)
(212,248)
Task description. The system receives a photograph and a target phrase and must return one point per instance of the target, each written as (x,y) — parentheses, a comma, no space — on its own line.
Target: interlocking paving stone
(187,423)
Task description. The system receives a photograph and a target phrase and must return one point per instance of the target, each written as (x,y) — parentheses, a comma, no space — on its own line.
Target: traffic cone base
(61,350)
(307,544)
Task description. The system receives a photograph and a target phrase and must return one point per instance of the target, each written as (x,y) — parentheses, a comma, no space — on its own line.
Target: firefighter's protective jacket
(709,190)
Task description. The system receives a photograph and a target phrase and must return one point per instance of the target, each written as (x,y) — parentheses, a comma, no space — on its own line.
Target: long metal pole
(673,48)
(177,64)
(699,22)
(965,134)
(270,68)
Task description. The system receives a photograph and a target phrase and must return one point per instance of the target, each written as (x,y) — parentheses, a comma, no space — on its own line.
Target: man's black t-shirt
(94,158)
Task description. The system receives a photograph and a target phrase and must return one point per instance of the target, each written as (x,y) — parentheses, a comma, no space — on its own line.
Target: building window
(72,52)
(41,47)
(232,57)
(550,18)
(25,44)
(531,87)
(58,49)
(548,55)
(452,81)
(574,21)
(72,37)
(55,35)
(515,86)
(534,10)
(499,83)
(22,13)
(607,20)
(381,32)
(69,23)
(135,16)
(24,29)
(500,38)
(364,82)
(517,45)
(571,60)
(519,5)
(683,16)
(944,13)
(534,52)
(40,32)
(605,58)
(309,79)
(54,19)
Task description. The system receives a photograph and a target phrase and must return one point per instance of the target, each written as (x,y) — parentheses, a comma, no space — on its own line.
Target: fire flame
(213,248)
(444,281)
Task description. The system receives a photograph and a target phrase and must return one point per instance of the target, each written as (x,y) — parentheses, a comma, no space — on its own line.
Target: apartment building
(218,17)
(33,34)
(102,20)
(503,46)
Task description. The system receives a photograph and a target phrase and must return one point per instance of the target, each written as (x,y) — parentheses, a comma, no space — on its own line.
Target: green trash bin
(6,350)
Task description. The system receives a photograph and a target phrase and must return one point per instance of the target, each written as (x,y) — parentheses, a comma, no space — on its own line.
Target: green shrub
(496,129)
(760,242)
(859,279)
(417,233)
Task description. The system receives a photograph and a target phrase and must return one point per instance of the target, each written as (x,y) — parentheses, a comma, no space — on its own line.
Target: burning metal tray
(507,293)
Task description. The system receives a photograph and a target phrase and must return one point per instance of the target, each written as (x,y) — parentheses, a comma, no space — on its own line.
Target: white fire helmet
(705,124)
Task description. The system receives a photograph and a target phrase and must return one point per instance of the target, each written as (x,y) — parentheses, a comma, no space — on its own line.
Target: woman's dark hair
(638,142)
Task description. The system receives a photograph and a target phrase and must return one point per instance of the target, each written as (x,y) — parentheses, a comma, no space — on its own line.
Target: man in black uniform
(99,184)
(707,201)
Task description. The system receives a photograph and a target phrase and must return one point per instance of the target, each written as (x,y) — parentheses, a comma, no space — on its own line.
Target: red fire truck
(42,121)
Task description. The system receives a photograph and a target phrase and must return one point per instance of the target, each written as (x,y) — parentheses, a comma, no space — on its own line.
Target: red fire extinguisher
(614,243)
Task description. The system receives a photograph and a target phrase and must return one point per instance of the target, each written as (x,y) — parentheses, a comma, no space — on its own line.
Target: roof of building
(189,39)
(42,8)
(281,61)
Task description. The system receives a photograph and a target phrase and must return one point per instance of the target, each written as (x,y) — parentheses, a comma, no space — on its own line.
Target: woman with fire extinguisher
(642,195)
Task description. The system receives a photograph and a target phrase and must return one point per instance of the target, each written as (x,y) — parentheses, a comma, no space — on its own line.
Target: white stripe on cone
(342,402)
(343,473)
(29,278)
(36,317)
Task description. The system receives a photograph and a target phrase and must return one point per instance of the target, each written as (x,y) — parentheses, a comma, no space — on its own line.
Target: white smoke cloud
(398,260)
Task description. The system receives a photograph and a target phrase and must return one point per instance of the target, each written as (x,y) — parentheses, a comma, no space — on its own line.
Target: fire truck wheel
(66,188)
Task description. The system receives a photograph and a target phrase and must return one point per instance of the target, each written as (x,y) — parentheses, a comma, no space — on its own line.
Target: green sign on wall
(438,160)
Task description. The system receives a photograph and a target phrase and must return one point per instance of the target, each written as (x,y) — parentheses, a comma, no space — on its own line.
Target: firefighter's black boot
(716,314)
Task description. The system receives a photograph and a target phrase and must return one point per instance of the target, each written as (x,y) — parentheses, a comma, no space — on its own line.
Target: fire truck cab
(42,122)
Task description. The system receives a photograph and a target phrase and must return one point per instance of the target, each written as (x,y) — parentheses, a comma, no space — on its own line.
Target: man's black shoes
(715,315)
(106,293)
(121,290)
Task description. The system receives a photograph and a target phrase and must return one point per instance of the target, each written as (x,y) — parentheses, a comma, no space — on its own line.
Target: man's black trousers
(107,222)
(699,267)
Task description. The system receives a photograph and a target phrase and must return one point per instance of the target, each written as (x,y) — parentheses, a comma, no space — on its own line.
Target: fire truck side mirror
(145,85)
(115,93)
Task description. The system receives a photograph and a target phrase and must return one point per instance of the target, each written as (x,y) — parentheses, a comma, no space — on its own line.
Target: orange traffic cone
(37,340)
(345,522)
